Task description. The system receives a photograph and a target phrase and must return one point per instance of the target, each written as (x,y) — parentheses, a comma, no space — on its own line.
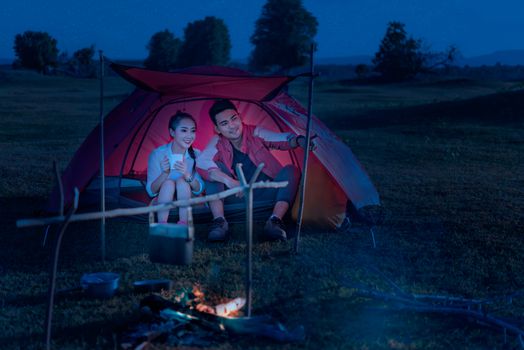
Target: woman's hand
(181,167)
(164,165)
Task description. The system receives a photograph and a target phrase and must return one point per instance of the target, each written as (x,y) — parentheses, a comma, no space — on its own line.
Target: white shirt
(154,169)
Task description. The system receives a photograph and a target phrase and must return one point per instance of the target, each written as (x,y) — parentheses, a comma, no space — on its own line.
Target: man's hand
(232,183)
(301,142)
(228,181)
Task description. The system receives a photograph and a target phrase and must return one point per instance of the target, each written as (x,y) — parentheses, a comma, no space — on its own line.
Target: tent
(139,124)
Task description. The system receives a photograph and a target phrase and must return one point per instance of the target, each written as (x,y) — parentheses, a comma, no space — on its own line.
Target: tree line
(282,38)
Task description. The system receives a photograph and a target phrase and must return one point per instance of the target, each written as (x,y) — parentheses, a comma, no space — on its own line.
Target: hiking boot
(218,230)
(274,230)
(345,226)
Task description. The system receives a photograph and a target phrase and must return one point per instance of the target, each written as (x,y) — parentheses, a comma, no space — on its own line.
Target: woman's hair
(174,121)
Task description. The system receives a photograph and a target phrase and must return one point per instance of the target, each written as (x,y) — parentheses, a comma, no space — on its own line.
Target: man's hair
(220,106)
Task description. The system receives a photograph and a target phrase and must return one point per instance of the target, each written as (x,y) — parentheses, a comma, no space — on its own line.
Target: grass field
(452,189)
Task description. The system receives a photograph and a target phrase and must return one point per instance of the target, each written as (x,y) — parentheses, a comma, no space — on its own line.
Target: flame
(200,299)
(227,309)
(198,292)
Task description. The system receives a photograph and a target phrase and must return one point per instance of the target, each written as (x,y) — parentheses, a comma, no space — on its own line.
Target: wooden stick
(420,306)
(248,194)
(480,316)
(240,174)
(257,172)
(145,210)
(450,299)
(52,275)
(60,187)
(102,163)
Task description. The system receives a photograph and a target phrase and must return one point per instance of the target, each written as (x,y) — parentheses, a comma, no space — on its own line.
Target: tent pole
(249,261)
(306,150)
(102,161)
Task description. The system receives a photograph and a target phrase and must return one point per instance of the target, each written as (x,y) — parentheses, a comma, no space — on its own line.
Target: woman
(171,167)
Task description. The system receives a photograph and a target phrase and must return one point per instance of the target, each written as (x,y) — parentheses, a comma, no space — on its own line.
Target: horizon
(463,60)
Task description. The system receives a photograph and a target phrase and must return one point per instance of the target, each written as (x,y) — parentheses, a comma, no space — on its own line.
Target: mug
(175,157)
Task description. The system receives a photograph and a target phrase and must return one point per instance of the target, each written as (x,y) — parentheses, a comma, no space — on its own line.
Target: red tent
(139,124)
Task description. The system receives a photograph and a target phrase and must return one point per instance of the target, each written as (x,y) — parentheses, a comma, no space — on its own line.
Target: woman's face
(184,133)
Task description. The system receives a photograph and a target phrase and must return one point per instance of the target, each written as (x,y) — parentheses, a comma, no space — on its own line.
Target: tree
(283,36)
(444,59)
(82,62)
(361,70)
(399,56)
(206,42)
(35,50)
(163,51)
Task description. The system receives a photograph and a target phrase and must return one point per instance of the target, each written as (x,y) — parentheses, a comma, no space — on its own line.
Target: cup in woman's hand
(173,158)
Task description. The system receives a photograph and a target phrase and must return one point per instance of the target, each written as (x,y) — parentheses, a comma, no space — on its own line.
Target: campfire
(229,309)
(187,318)
(196,300)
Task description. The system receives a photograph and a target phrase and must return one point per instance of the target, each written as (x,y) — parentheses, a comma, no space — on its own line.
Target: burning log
(190,309)
(264,326)
(230,307)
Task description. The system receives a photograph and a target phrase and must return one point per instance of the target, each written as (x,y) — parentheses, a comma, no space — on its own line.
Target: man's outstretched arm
(219,176)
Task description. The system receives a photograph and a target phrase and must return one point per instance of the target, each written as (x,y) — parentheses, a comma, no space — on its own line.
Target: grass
(452,190)
(342,100)
(46,118)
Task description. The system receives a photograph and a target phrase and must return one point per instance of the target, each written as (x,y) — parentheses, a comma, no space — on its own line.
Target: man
(250,145)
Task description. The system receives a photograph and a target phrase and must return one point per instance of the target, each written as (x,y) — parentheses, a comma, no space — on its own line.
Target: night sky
(123,28)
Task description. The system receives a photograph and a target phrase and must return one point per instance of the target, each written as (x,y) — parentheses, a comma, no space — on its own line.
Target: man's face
(229,124)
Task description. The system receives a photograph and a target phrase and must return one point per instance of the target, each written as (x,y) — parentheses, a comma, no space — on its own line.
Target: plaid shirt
(256,143)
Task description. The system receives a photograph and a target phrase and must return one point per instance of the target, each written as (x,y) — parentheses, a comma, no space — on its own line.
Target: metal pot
(100,284)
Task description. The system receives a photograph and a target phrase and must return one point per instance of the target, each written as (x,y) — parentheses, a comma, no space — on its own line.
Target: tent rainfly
(138,125)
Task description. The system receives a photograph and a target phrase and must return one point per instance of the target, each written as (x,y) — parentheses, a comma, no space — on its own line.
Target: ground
(451,184)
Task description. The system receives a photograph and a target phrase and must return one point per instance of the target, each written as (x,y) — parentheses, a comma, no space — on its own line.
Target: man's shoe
(218,230)
(274,230)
